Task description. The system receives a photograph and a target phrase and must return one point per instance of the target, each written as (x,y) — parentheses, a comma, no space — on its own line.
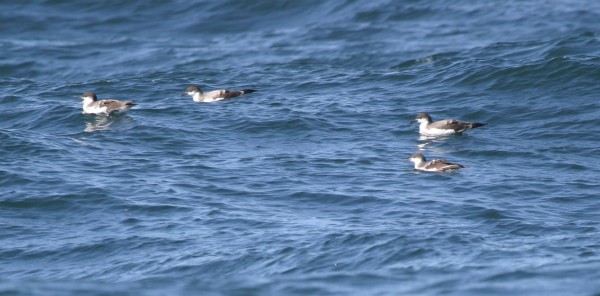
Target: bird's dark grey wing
(228,94)
(442,165)
(449,124)
(114,105)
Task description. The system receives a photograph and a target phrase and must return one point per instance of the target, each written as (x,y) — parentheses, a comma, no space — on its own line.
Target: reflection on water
(425,141)
(103,123)
(432,139)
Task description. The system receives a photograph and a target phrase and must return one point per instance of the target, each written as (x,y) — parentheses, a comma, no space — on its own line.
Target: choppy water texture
(300,188)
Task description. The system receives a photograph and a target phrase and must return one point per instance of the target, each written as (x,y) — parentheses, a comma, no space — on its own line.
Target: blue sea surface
(301,188)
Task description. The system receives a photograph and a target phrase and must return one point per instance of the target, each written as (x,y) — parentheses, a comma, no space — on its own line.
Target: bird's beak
(412,121)
(184,94)
(407,159)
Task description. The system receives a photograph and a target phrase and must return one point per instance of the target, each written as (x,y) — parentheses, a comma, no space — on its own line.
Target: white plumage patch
(424,130)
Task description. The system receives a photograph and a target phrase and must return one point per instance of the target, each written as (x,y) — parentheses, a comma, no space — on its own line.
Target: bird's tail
(476,124)
(247,91)
(129,104)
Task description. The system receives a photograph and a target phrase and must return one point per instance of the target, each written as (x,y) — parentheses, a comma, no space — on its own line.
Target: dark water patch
(398,13)
(501,73)
(291,125)
(320,197)
(154,209)
(49,203)
(441,59)
(581,45)
(18,69)
(13,179)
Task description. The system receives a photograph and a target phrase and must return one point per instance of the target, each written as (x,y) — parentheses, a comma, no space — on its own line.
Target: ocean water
(301,188)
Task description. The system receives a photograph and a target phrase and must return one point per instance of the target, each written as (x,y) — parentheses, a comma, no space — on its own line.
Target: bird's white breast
(208,97)
(90,107)
(425,130)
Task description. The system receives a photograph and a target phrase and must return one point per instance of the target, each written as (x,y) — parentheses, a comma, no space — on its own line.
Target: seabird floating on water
(443,127)
(91,105)
(215,95)
(437,165)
